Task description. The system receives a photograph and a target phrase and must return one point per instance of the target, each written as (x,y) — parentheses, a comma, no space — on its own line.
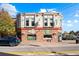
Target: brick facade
(38,33)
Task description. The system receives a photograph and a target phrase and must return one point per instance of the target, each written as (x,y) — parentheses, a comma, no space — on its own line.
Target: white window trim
(48,22)
(30,22)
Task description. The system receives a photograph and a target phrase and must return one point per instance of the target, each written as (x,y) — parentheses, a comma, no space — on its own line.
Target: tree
(72,32)
(76,32)
(65,36)
(71,35)
(7,24)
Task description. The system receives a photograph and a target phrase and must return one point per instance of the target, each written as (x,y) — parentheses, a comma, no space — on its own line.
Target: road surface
(4,49)
(37,48)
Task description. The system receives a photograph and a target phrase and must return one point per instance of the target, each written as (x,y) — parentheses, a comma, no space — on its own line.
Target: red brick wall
(40,37)
(54,37)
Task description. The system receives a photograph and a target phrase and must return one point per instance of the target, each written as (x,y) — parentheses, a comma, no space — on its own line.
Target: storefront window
(47,35)
(31,37)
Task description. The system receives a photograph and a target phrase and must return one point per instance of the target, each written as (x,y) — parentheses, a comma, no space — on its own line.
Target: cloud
(9,8)
(77,13)
(76,21)
(69,21)
(67,25)
(70,25)
(42,10)
(47,10)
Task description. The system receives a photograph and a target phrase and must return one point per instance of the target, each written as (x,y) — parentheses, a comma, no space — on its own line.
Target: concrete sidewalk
(64,43)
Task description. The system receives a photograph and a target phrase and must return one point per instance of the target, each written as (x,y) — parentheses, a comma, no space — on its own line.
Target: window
(45,22)
(48,22)
(47,32)
(30,22)
(51,22)
(31,37)
(47,36)
(27,22)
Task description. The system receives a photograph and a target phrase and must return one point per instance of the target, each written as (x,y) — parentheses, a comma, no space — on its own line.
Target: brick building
(39,27)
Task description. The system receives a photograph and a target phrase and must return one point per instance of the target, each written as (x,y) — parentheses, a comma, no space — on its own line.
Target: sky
(70,11)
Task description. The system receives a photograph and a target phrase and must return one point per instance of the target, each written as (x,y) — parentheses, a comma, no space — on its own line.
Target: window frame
(31,19)
(48,21)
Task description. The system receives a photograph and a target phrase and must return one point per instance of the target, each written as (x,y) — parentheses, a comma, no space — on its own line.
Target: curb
(66,54)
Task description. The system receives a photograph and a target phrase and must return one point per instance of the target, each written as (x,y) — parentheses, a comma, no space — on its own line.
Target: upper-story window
(48,22)
(27,22)
(30,22)
(51,22)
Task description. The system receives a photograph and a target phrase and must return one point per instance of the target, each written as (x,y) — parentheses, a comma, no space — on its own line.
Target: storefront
(39,27)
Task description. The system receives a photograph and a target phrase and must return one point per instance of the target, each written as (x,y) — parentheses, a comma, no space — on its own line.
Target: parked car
(11,41)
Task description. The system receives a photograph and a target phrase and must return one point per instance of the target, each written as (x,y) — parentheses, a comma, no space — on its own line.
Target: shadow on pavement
(6,54)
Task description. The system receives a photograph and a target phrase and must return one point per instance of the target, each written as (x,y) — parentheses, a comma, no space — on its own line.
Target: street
(58,50)
(50,49)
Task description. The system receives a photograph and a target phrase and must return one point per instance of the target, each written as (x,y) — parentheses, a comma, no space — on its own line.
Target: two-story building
(39,27)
